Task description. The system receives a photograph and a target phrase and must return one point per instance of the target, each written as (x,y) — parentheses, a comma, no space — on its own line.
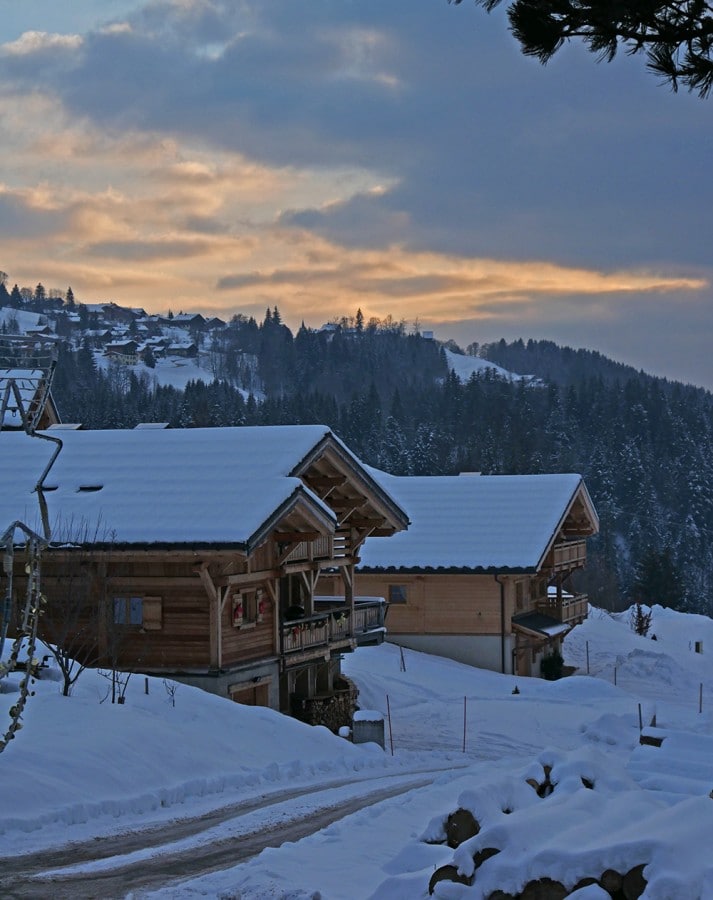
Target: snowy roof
(212,486)
(25,320)
(540,624)
(474,523)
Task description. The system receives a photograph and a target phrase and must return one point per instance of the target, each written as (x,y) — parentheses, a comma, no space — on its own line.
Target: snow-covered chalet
(483,573)
(193,554)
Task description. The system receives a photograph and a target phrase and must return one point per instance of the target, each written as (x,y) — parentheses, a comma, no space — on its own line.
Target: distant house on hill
(113,313)
(122,351)
(98,337)
(186,349)
(156,346)
(198,551)
(480,574)
(215,324)
(191,321)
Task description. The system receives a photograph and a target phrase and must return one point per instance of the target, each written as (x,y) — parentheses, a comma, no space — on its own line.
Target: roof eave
(580,488)
(447,570)
(356,469)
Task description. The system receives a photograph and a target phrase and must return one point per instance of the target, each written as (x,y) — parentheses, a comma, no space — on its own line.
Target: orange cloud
(149,221)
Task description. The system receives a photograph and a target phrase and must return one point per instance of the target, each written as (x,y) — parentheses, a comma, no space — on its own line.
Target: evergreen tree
(658,580)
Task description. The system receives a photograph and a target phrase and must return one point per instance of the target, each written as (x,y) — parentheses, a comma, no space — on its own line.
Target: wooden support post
(272,589)
(215,607)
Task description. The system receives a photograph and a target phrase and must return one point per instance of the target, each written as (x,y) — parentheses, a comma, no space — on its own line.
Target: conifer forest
(643,444)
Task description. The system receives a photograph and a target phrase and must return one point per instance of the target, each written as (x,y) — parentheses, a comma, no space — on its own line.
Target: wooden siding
(442,604)
(249,641)
(567,555)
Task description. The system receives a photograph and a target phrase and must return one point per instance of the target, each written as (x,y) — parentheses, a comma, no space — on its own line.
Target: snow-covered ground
(81,768)
(170,371)
(465,366)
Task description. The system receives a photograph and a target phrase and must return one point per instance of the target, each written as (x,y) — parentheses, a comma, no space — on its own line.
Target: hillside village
(116,334)
(411,405)
(259,562)
(231,558)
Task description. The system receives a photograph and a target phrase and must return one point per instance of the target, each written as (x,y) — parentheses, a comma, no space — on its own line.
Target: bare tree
(70,624)
(73,621)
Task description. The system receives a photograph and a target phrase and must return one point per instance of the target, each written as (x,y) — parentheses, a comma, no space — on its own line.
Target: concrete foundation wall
(483,651)
(263,672)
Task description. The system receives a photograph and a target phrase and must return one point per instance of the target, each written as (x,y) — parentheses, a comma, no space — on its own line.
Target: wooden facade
(503,619)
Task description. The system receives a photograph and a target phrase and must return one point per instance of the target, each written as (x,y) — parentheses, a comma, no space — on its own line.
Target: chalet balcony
(570,609)
(369,618)
(566,556)
(334,629)
(326,547)
(320,548)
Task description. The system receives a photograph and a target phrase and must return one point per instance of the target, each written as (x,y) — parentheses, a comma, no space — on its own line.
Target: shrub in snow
(551,666)
(640,619)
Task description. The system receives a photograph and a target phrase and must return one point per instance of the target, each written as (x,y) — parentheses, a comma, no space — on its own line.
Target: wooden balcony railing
(567,555)
(320,548)
(335,626)
(368,617)
(570,609)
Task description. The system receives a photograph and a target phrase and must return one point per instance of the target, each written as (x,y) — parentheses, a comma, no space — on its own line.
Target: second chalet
(483,573)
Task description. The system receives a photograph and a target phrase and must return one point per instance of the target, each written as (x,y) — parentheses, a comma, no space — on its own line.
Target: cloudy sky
(401,157)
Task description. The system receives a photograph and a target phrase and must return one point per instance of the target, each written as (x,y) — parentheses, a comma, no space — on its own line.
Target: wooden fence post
(465,719)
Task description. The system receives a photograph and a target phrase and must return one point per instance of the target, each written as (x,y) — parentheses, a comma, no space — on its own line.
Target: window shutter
(153,613)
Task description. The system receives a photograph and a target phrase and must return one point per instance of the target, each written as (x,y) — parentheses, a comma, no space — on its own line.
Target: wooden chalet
(482,574)
(123,351)
(27,367)
(195,554)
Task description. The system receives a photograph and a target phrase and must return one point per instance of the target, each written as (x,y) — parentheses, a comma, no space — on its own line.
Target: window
(138,612)
(398,593)
(248,608)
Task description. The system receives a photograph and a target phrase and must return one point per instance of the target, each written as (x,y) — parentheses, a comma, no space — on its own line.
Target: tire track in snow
(38,876)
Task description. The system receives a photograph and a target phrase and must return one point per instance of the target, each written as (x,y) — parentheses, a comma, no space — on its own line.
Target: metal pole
(641,721)
(587,649)
(391,733)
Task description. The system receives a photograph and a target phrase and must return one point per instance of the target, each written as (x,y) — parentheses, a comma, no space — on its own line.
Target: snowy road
(144,861)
